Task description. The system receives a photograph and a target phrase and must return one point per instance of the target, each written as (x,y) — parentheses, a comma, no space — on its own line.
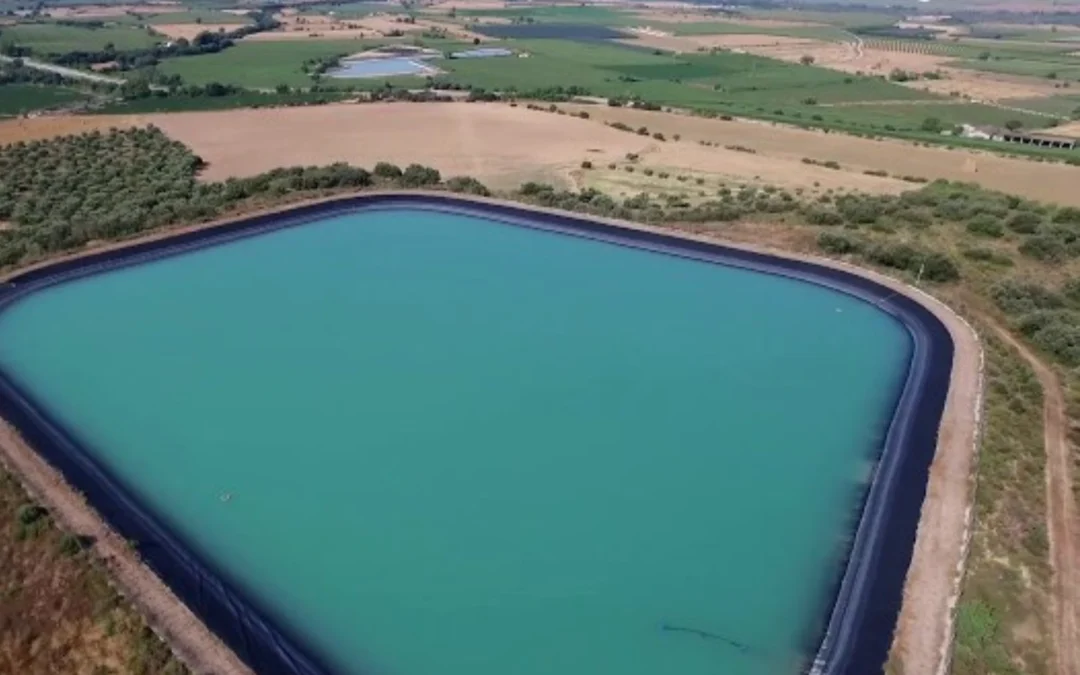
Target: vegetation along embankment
(998,258)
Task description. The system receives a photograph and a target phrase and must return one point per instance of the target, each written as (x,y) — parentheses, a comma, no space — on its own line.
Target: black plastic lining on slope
(863,613)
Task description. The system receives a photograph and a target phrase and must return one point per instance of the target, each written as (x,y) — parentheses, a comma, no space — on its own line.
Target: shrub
(1067,215)
(837,244)
(28,514)
(876,172)
(387,170)
(816,215)
(985,225)
(939,267)
(1056,332)
(467,185)
(988,256)
(647,172)
(1045,247)
(532,188)
(831,165)
(70,545)
(586,164)
(1024,222)
(583,115)
(611,166)
(659,136)
(1020,297)
(417,175)
(643,131)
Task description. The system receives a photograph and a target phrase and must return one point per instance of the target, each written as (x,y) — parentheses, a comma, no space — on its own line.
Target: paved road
(67,72)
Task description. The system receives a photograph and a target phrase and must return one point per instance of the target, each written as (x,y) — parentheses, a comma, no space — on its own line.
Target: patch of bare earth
(111,11)
(1036,180)
(38,128)
(495,143)
(1070,129)
(188,31)
(774,46)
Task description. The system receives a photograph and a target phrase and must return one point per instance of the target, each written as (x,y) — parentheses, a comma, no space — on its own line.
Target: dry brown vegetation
(58,610)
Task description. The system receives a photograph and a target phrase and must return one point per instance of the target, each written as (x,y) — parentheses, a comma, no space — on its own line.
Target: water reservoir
(425,442)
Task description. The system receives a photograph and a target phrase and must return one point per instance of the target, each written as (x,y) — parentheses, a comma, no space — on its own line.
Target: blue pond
(380,68)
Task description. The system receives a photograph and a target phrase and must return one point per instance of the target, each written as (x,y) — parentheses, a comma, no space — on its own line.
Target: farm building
(1021,137)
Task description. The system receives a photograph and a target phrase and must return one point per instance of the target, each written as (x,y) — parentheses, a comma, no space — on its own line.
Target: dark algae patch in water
(418,440)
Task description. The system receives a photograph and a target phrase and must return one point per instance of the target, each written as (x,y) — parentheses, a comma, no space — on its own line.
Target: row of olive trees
(63,193)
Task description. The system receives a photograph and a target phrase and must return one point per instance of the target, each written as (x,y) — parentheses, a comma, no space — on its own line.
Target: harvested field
(1071,129)
(188,31)
(111,11)
(774,46)
(315,26)
(12,131)
(1036,180)
(498,144)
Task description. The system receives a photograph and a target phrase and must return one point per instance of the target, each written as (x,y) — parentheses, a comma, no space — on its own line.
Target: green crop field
(260,65)
(198,16)
(1063,106)
(843,19)
(51,38)
(16,99)
(910,117)
(1063,68)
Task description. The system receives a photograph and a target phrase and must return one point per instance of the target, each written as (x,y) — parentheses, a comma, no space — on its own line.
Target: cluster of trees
(206,42)
(63,193)
(557,94)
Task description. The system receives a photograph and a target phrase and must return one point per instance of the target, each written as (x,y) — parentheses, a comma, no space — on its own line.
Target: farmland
(52,38)
(259,65)
(17,99)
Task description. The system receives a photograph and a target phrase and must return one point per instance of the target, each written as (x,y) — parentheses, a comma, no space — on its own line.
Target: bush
(1024,222)
(939,267)
(586,164)
(816,215)
(985,225)
(70,545)
(987,255)
(467,185)
(1055,332)
(837,244)
(28,514)
(1045,247)
(387,170)
(1067,215)
(659,136)
(1019,297)
(417,175)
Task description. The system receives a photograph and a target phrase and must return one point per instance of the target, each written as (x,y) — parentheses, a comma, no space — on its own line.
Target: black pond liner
(862,611)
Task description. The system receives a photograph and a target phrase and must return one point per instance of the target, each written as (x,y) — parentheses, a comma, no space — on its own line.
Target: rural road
(1060,513)
(66,72)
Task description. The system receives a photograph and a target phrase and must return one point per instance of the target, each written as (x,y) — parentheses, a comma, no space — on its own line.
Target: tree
(476,40)
(932,125)
(807,60)
(1013,125)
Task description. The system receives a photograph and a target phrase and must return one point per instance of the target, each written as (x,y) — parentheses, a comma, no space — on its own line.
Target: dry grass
(38,128)
(1043,181)
(188,31)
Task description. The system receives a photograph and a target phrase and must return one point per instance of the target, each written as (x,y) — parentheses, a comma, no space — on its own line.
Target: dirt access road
(1061,523)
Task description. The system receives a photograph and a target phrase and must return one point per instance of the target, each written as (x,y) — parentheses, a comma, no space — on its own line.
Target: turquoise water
(455,447)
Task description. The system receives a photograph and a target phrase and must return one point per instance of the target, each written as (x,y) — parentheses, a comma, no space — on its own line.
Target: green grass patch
(1002,623)
(18,99)
(911,117)
(1063,106)
(259,65)
(51,38)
